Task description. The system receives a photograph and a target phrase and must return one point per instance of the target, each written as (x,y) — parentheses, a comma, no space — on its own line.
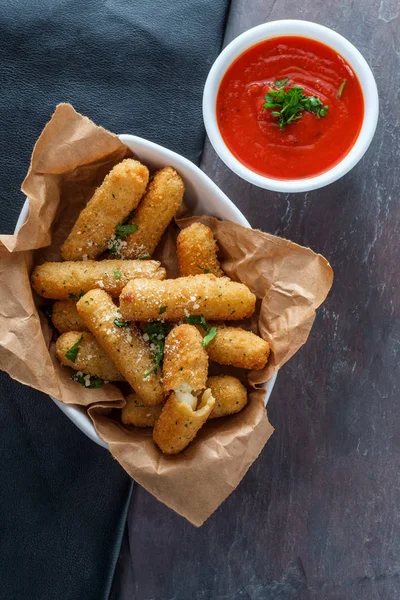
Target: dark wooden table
(318,514)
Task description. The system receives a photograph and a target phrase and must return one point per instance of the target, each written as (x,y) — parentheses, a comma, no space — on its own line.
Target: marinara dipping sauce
(308,145)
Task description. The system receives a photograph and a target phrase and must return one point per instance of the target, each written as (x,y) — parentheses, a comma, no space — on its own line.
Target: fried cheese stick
(237,347)
(185,365)
(185,372)
(197,249)
(90,358)
(65,280)
(230,395)
(123,343)
(157,208)
(116,197)
(179,424)
(65,317)
(138,414)
(173,299)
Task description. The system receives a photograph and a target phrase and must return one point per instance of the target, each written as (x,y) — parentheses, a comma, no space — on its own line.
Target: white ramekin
(202,196)
(304,29)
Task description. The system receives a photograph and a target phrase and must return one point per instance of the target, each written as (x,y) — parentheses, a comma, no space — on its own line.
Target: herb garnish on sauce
(340,92)
(292,103)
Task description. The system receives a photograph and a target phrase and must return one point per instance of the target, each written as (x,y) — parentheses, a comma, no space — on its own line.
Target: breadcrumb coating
(179,424)
(70,279)
(90,359)
(239,348)
(123,343)
(65,317)
(197,249)
(185,360)
(174,299)
(116,197)
(136,413)
(229,393)
(156,209)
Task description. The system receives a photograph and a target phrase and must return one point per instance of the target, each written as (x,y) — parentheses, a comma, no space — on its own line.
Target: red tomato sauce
(308,146)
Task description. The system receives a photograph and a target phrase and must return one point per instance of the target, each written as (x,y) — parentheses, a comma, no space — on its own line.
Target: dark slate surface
(318,515)
(131,66)
(134,67)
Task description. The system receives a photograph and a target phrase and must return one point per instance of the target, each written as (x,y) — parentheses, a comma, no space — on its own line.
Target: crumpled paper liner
(69,161)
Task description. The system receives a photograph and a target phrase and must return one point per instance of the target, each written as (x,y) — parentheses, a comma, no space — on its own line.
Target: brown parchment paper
(69,161)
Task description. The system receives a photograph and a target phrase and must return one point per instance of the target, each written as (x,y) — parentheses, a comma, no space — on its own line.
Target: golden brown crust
(138,414)
(239,348)
(65,317)
(196,250)
(230,395)
(173,299)
(185,359)
(60,280)
(124,345)
(116,197)
(91,359)
(156,209)
(178,423)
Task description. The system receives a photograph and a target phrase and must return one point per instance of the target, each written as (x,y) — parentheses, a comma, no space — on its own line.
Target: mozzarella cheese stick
(66,280)
(157,208)
(123,342)
(116,197)
(89,358)
(237,347)
(230,395)
(179,422)
(197,249)
(185,365)
(65,317)
(138,414)
(217,298)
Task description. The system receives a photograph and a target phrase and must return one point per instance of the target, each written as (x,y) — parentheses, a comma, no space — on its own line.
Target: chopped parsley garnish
(117,274)
(203,269)
(154,368)
(121,323)
(197,320)
(340,92)
(122,231)
(128,218)
(162,310)
(143,257)
(114,247)
(279,83)
(72,353)
(291,104)
(156,333)
(76,296)
(86,380)
(212,332)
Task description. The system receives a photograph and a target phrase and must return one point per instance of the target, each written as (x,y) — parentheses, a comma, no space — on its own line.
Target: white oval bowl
(202,197)
(315,32)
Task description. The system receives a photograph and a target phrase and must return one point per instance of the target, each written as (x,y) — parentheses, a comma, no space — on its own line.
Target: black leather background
(135,67)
